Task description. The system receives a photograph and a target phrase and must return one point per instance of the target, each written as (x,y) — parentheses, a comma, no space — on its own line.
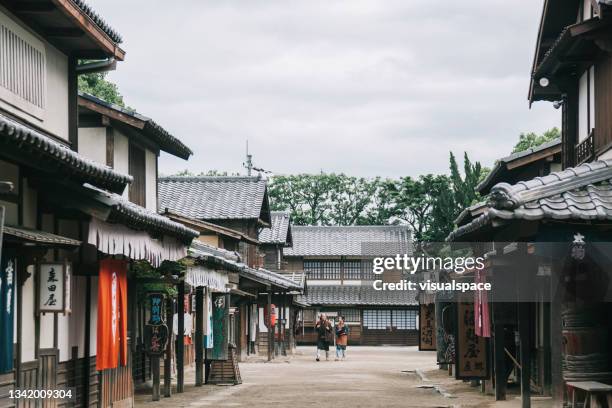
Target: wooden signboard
(156,330)
(220,323)
(54,287)
(427,327)
(471,350)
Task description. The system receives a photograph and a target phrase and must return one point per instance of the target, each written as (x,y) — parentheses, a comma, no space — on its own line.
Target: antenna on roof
(249,160)
(248,164)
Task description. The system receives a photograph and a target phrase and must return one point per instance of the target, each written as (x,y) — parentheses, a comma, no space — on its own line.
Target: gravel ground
(370,377)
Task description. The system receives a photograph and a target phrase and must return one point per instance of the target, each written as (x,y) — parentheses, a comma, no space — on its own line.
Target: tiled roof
(231,261)
(140,218)
(38,237)
(215,197)
(502,164)
(151,129)
(42,151)
(579,193)
(99,21)
(280,230)
(349,241)
(366,295)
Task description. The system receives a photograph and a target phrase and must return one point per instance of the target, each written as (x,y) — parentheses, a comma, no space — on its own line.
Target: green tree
(464,187)
(97,85)
(531,139)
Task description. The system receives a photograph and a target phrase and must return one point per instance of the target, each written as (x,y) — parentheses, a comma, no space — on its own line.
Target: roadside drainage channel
(437,387)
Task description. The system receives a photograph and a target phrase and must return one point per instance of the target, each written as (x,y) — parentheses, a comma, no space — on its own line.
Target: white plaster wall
(582,107)
(592,96)
(63,340)
(54,118)
(27,318)
(151,180)
(605,155)
(587,9)
(46,331)
(262,324)
(121,155)
(92,143)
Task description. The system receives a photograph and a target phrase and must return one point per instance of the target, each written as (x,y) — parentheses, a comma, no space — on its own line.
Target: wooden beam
(499,361)
(82,20)
(534,157)
(111,113)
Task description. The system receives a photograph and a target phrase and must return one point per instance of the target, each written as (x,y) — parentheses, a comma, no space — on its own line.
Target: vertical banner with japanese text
(220,316)
(8,277)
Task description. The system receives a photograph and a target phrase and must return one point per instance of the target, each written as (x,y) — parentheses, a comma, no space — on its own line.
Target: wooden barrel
(586,340)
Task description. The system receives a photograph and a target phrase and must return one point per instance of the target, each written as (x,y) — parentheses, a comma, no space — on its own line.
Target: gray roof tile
(349,241)
(580,193)
(215,197)
(41,150)
(357,295)
(279,232)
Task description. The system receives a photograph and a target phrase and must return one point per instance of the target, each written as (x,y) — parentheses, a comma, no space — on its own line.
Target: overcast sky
(369,88)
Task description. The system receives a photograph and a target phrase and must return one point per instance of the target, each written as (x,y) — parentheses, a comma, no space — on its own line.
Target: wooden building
(229,213)
(70,233)
(547,236)
(338,265)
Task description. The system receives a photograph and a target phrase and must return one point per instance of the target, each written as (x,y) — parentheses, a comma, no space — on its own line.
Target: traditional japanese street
(389,377)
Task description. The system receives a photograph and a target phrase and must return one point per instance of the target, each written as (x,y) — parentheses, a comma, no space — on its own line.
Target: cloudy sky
(365,87)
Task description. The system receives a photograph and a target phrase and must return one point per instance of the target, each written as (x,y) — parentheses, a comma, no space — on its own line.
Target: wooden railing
(585,150)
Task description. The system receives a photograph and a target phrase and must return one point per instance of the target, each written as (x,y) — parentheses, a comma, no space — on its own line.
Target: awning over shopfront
(32,237)
(199,275)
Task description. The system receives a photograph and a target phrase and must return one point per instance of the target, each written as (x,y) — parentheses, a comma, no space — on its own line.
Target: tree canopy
(428,204)
(532,139)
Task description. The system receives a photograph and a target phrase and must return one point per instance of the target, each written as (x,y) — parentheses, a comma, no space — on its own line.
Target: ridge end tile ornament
(156,330)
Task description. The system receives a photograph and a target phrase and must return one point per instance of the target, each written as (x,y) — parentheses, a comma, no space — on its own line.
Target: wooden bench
(592,391)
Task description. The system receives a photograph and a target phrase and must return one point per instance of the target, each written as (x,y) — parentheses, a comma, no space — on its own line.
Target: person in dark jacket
(323,329)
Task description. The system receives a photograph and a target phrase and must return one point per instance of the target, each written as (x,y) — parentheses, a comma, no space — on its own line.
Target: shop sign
(427,327)
(156,330)
(54,287)
(471,349)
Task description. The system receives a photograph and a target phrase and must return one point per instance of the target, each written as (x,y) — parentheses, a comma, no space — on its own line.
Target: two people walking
(325,337)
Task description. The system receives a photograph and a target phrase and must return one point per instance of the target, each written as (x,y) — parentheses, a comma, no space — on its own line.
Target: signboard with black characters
(156,330)
(427,327)
(54,287)
(220,323)
(471,353)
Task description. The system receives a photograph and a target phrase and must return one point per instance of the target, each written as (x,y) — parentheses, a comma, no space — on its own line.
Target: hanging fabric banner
(7,295)
(112,314)
(481,307)
(220,304)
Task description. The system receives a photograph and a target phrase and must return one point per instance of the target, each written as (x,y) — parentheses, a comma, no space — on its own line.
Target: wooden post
(155,371)
(87,350)
(199,336)
(168,359)
(269,324)
(524,336)
(499,361)
(180,340)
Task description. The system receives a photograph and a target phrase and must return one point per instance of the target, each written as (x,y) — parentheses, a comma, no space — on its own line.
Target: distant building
(338,265)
